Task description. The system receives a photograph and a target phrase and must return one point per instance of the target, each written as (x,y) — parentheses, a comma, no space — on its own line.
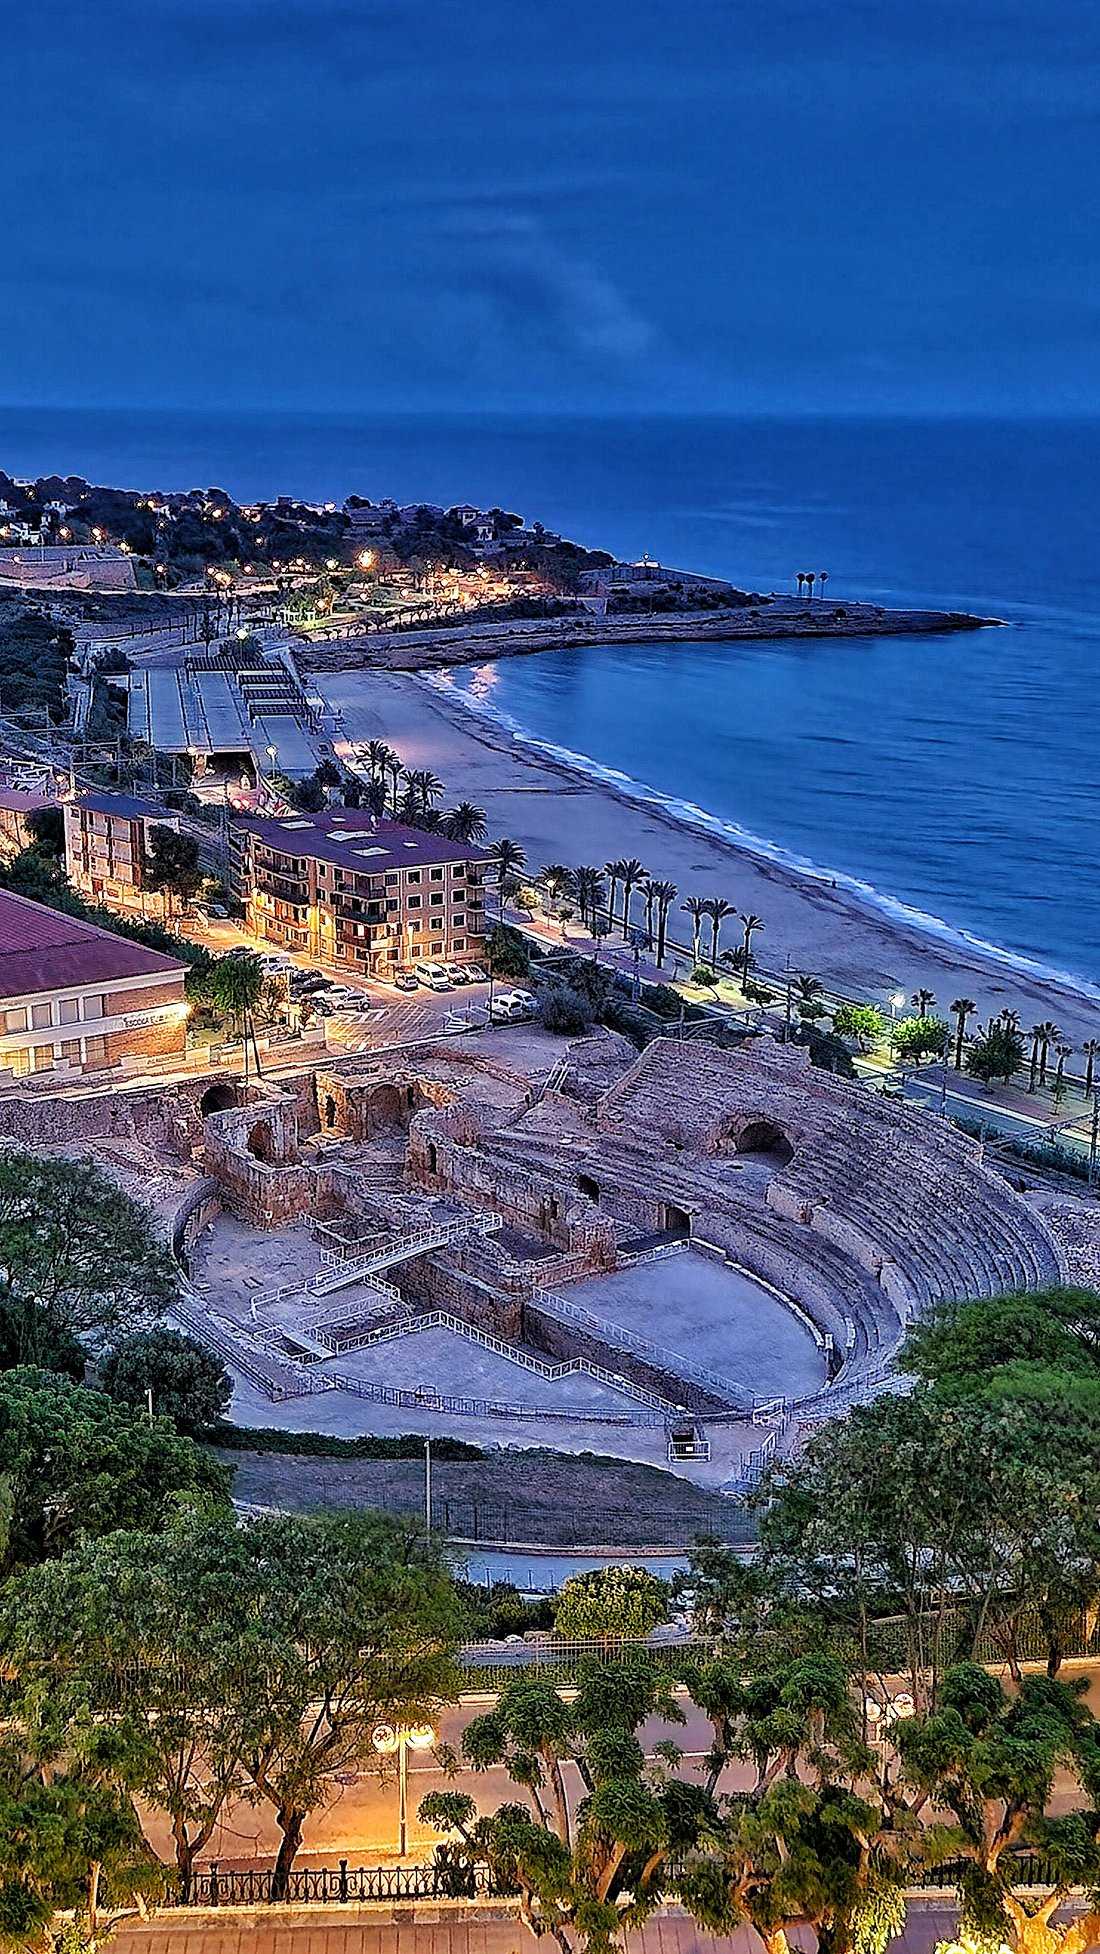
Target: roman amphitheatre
(687,1256)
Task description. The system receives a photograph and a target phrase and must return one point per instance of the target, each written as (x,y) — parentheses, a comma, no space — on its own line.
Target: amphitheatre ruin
(687,1256)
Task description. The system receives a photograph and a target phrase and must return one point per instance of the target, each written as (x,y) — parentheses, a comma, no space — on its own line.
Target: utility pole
(1094,1135)
(428,1484)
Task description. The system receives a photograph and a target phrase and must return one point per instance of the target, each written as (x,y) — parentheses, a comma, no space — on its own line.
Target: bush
(918,1038)
(634,1023)
(189,1385)
(508,952)
(611,1602)
(322,1445)
(564,1010)
(863,1022)
(827,1052)
(703,974)
(501,1610)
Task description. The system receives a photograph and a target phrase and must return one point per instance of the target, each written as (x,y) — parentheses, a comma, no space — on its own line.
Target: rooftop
(353,839)
(125,807)
(44,950)
(22,800)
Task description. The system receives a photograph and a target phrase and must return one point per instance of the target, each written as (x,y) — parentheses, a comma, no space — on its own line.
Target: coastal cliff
(413,651)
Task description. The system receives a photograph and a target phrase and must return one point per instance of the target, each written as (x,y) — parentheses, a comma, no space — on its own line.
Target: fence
(448,1878)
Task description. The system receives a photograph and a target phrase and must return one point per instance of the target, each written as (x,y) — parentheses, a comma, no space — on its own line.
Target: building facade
(107,837)
(357,895)
(75,999)
(17,804)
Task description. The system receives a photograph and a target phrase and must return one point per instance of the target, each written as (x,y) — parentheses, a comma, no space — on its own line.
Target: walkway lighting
(388,1738)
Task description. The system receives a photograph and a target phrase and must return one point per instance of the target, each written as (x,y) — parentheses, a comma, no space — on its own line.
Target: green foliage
(77,1258)
(189,1386)
(34,661)
(996,1053)
(503,1609)
(703,975)
(917,1038)
(46,826)
(172,863)
(862,1022)
(564,1010)
(508,952)
(76,1463)
(609,1602)
(970,1346)
(322,1445)
(826,1049)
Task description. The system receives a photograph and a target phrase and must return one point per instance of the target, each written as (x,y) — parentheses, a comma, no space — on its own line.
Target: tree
(696,908)
(149,1633)
(917,1038)
(1047,1034)
(1091,1050)
(188,1384)
(863,1022)
(466,823)
(962,1008)
(172,865)
(923,1000)
(589,886)
(73,1462)
(991,1761)
(664,895)
(750,924)
(614,872)
(631,873)
(235,988)
(424,787)
(509,858)
(563,1009)
(581,1875)
(611,1603)
(808,993)
(716,909)
(507,952)
(996,1053)
(980,1345)
(73,1862)
(78,1258)
(357,1621)
(46,826)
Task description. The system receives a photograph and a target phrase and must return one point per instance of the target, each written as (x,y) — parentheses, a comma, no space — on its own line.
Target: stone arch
(219,1097)
(589,1187)
(261,1142)
(328,1112)
(759,1135)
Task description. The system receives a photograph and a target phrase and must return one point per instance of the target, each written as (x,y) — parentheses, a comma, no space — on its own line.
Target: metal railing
(439,1319)
(669,1360)
(341,1885)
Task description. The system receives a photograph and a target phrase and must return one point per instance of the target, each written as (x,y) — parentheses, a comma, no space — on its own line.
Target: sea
(953,781)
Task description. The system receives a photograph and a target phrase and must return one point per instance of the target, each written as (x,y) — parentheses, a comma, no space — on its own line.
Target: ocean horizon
(953,780)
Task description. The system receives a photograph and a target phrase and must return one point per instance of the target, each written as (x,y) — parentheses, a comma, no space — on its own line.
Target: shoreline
(560,808)
(779,616)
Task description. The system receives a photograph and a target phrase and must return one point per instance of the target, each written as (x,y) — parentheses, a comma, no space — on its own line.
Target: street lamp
(896,1002)
(402,1738)
(272,754)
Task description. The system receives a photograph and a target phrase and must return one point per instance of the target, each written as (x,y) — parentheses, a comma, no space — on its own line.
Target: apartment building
(75,998)
(360,895)
(107,837)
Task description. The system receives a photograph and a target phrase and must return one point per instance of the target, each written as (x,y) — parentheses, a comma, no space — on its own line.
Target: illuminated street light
(402,1738)
(365,559)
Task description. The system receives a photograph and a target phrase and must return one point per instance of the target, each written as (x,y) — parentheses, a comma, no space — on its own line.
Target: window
(68,1010)
(15,1019)
(437,875)
(43,1058)
(414,902)
(437,949)
(413,875)
(460,943)
(41,1017)
(458,922)
(436,898)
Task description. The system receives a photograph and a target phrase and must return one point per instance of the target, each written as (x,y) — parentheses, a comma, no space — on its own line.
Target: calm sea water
(958,776)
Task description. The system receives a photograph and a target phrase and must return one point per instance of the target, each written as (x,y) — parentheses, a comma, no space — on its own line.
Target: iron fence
(446,1878)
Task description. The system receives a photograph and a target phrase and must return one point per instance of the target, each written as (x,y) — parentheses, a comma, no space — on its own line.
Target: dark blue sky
(552,204)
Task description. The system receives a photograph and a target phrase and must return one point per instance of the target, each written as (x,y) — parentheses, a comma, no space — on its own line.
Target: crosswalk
(392,1024)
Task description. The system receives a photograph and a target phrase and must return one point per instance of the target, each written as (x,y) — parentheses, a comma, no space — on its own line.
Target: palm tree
(716,908)
(1091,1050)
(614,872)
(423,785)
(1064,1052)
(811,576)
(923,1000)
(808,990)
(961,1009)
(663,895)
(236,987)
(751,925)
(557,880)
(466,822)
(375,797)
(823,578)
(696,908)
(589,886)
(1036,1036)
(631,873)
(509,858)
(379,756)
(1048,1035)
(801,581)
(393,767)
(1009,1019)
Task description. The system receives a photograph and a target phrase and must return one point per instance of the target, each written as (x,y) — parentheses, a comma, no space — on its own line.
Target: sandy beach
(559,813)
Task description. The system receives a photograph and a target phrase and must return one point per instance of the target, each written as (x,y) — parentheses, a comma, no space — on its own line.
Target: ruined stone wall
(564,1340)
(438,1281)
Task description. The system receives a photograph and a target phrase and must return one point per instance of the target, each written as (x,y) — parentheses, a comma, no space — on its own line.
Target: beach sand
(560,814)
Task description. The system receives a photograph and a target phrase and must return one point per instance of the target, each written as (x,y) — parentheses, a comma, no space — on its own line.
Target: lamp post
(389,1738)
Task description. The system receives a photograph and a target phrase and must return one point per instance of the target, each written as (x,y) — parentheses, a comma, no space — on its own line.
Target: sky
(553,205)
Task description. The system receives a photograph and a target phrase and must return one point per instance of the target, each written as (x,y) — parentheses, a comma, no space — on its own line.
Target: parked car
(457,972)
(434,976)
(522,997)
(475,974)
(511,1008)
(218,910)
(406,980)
